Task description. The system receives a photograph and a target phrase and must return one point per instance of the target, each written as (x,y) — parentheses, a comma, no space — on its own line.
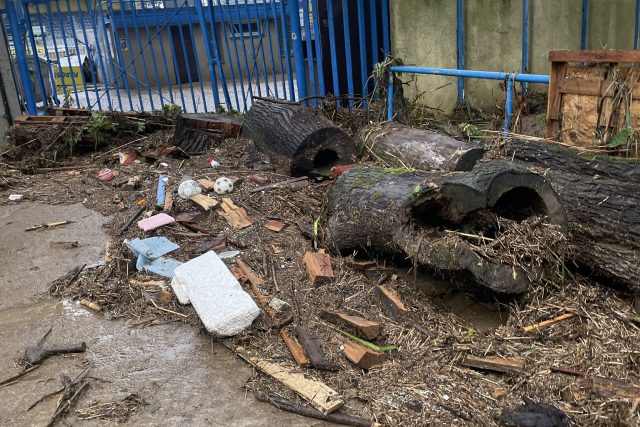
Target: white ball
(223,185)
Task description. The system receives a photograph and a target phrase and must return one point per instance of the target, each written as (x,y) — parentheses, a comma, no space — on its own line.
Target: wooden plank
(392,305)
(366,328)
(318,267)
(361,356)
(595,56)
(294,348)
(312,348)
(550,322)
(318,394)
(230,126)
(204,202)
(604,88)
(609,388)
(512,365)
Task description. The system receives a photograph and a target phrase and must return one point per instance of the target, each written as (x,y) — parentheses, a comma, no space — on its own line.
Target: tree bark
(602,197)
(299,140)
(196,132)
(404,213)
(403,146)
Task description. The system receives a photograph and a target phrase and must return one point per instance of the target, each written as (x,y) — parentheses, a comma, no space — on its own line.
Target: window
(245,29)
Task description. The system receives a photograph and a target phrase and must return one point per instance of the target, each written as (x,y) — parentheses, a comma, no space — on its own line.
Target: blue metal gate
(201,55)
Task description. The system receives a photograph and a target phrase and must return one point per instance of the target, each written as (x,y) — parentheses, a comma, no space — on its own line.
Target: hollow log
(601,195)
(399,145)
(196,132)
(299,140)
(407,213)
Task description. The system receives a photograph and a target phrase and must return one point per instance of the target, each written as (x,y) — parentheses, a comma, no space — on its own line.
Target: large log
(388,211)
(299,140)
(601,195)
(398,145)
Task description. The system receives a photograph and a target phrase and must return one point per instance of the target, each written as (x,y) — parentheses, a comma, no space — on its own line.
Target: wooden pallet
(49,120)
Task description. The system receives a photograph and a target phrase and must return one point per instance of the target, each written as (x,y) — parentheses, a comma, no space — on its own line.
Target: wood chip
(206,184)
(318,267)
(361,356)
(91,305)
(249,273)
(365,328)
(512,365)
(392,305)
(205,202)
(275,225)
(550,322)
(312,347)
(236,216)
(295,348)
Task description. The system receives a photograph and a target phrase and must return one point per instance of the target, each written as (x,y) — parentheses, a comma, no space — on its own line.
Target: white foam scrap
(221,303)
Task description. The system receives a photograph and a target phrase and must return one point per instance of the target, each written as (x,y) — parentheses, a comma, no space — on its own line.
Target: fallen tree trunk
(398,145)
(408,213)
(601,195)
(299,140)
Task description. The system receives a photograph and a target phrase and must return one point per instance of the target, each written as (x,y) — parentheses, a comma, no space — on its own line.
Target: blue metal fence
(202,55)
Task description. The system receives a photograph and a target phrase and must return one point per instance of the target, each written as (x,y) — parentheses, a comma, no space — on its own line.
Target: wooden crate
(592,98)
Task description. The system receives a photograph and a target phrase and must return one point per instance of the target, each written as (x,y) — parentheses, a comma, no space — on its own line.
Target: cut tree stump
(601,197)
(299,140)
(404,213)
(197,132)
(399,145)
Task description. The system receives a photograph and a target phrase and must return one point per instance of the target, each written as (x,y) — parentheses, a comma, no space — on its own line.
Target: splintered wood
(512,365)
(318,394)
(205,202)
(275,225)
(362,356)
(206,184)
(236,216)
(391,303)
(318,267)
(365,328)
(550,322)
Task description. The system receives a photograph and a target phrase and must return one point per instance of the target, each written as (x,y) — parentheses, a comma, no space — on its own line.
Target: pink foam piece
(155,221)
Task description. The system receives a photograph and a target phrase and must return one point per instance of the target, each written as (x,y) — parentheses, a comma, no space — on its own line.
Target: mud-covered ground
(423,382)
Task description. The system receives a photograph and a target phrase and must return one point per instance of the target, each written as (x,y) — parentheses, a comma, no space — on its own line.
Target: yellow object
(68,75)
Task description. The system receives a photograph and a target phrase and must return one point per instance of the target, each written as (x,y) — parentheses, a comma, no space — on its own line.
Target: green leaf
(372,346)
(621,138)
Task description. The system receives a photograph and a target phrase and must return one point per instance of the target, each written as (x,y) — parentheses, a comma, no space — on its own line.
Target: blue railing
(509,78)
(201,55)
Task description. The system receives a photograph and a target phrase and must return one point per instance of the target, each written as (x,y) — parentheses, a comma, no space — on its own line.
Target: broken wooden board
(361,356)
(189,217)
(204,202)
(366,328)
(296,350)
(513,365)
(550,322)
(236,216)
(392,305)
(318,267)
(206,184)
(609,388)
(249,273)
(275,225)
(312,348)
(318,394)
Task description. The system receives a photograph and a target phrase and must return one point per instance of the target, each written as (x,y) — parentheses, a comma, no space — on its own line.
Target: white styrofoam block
(180,290)
(223,306)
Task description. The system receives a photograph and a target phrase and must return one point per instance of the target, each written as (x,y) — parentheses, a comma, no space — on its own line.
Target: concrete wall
(424,33)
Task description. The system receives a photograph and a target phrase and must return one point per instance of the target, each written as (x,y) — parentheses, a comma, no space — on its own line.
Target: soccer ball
(223,185)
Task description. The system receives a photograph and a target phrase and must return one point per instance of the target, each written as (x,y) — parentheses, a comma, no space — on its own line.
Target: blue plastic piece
(150,254)
(163,266)
(161,191)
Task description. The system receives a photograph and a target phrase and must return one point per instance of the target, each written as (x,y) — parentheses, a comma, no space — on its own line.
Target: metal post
(210,59)
(460,46)
(525,41)
(390,96)
(637,27)
(298,53)
(508,106)
(585,23)
(21,57)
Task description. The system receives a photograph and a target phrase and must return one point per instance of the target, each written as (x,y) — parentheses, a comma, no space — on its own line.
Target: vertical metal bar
(278,48)
(94,21)
(235,48)
(52,74)
(122,72)
(374,30)
(140,54)
(149,45)
(92,66)
(109,57)
(174,57)
(508,108)
(223,79)
(347,49)
(460,45)
(66,47)
(261,47)
(77,46)
(636,32)
(207,47)
(309,47)
(36,58)
(332,48)
(525,42)
(386,41)
(390,96)
(254,66)
(128,41)
(585,24)
(162,52)
(267,24)
(185,59)
(246,58)
(287,54)
(49,14)
(195,56)
(21,58)
(298,54)
(225,35)
(363,49)
(318,44)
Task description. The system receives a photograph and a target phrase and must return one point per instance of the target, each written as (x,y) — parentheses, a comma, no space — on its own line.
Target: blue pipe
(287,53)
(318,45)
(508,107)
(390,96)
(332,49)
(585,23)
(21,56)
(298,53)
(362,44)
(313,90)
(460,46)
(637,27)
(525,41)
(347,50)
(217,49)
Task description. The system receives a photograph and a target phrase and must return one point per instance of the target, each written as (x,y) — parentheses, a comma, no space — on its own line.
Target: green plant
(171,111)
(72,137)
(99,127)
